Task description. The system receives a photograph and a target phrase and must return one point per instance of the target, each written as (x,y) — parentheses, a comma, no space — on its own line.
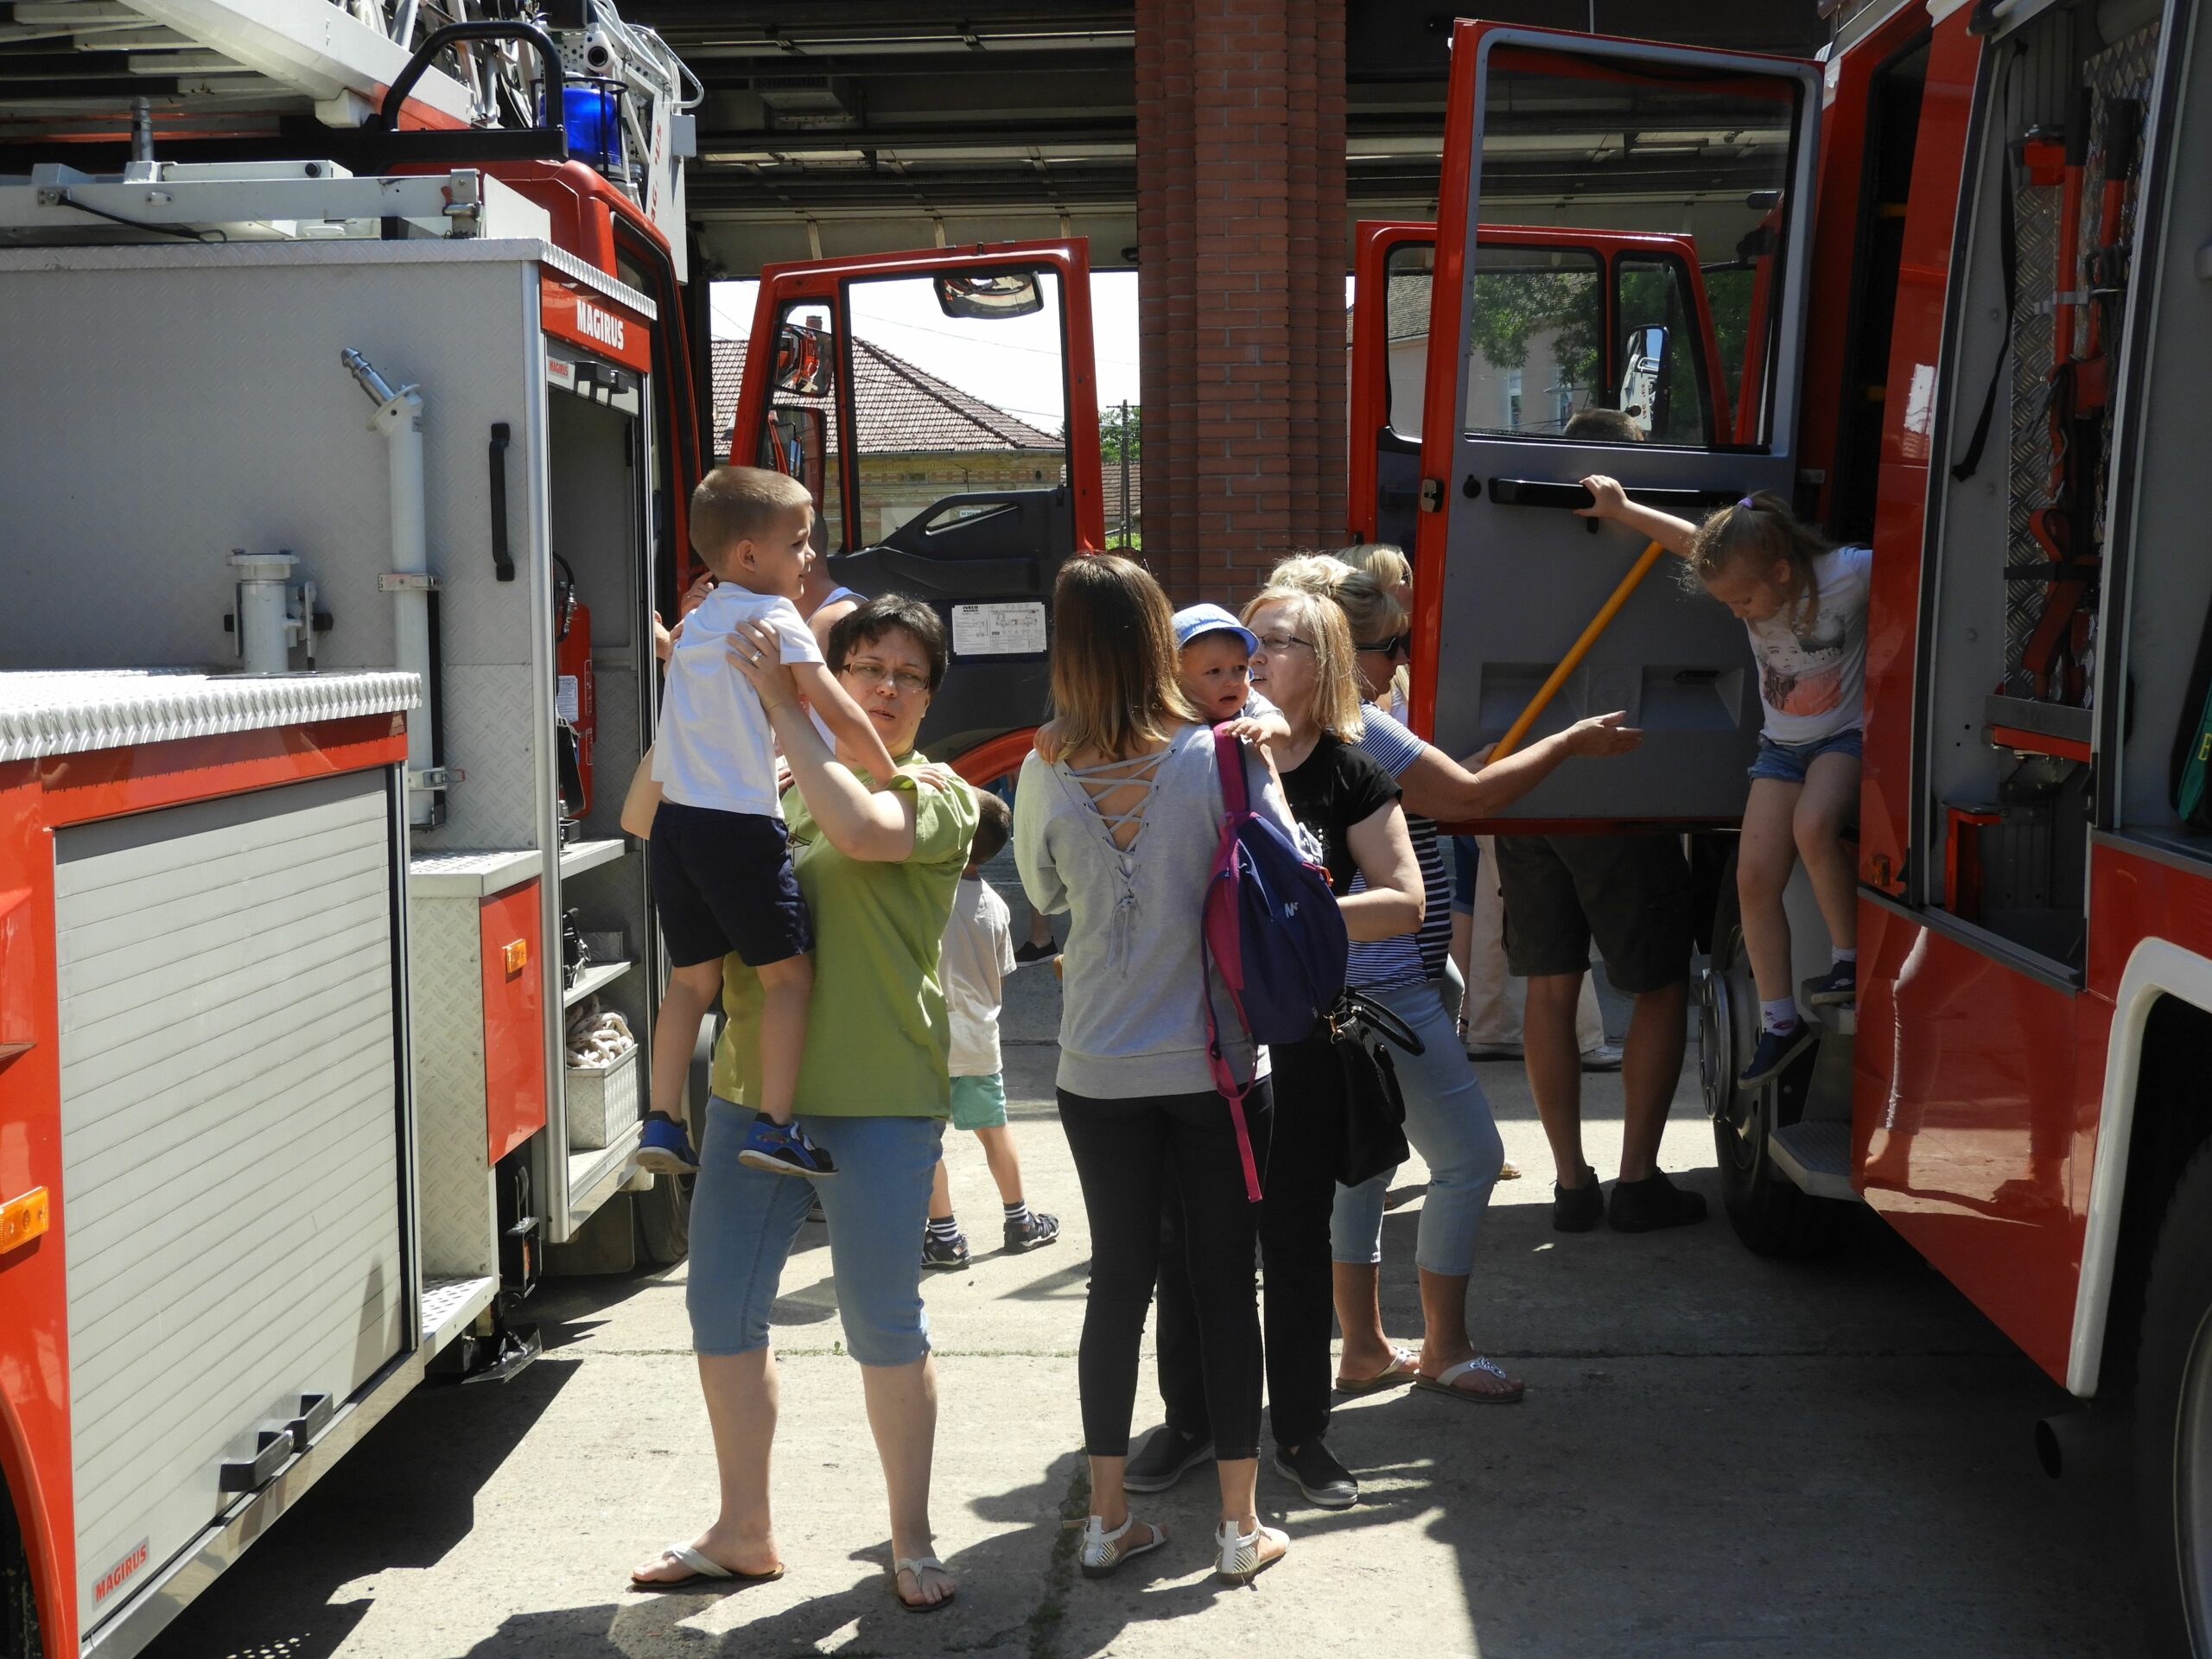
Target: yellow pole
(1576,652)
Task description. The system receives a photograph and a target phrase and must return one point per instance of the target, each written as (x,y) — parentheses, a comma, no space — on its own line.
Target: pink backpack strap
(1229,761)
(1225,1079)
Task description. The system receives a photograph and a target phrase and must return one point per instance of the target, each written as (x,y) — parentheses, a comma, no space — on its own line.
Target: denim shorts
(1466,859)
(1788,763)
(744,1222)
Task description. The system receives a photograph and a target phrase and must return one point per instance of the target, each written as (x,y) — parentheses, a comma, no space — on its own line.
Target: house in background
(920,439)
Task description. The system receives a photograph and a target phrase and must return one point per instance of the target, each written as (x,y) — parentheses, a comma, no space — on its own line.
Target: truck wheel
(19,1637)
(1771,1214)
(2173,1424)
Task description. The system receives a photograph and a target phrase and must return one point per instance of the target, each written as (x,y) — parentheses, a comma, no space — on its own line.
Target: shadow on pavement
(426,1461)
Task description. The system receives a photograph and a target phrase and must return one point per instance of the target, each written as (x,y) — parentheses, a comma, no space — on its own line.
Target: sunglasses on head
(1397,645)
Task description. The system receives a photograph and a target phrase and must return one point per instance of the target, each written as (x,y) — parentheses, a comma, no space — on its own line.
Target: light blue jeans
(1449,1123)
(744,1222)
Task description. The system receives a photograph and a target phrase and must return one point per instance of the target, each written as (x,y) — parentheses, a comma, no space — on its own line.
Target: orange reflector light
(23,1219)
(518,956)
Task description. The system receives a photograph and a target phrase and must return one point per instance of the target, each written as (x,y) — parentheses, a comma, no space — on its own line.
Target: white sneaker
(1103,1552)
(1245,1555)
(1606,1057)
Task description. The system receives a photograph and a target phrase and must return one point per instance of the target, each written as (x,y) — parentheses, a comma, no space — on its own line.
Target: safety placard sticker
(565,701)
(1007,629)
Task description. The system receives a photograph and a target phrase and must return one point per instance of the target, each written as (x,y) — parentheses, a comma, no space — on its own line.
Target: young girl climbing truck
(1804,604)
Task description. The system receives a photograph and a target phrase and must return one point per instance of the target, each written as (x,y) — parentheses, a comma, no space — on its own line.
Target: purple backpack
(1270,924)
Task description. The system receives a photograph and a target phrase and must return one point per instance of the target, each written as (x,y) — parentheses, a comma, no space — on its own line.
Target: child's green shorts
(979,1102)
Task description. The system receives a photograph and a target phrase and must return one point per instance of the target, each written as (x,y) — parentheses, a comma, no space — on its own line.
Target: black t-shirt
(1336,788)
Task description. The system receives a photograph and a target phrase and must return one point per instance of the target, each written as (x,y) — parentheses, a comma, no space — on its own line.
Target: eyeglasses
(1282,642)
(907,682)
(1396,646)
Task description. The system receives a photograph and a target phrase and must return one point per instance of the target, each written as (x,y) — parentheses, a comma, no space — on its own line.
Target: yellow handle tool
(1577,651)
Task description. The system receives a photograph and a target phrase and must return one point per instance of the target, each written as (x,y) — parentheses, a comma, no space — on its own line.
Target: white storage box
(602,1101)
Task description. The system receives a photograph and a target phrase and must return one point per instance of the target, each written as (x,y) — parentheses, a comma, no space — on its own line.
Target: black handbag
(1361,1031)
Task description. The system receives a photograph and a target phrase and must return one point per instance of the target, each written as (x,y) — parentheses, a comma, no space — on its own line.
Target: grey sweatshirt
(1133,1018)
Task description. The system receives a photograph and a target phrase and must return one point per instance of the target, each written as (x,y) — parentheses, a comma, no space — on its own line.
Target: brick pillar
(1241,263)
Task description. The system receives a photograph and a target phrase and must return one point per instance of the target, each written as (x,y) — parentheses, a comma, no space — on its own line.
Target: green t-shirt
(877,1037)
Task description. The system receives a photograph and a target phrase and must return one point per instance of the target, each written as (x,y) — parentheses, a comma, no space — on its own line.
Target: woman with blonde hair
(1118,831)
(1447,1119)
(1349,808)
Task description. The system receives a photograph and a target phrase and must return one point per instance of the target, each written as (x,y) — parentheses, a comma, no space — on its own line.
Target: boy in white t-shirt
(977,957)
(720,860)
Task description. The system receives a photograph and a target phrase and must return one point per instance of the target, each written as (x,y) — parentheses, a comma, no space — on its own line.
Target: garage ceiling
(851,125)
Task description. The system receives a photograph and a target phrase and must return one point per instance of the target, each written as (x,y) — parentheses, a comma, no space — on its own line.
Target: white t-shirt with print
(716,748)
(978,956)
(1813,659)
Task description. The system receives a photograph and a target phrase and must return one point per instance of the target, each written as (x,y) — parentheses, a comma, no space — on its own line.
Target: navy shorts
(722,881)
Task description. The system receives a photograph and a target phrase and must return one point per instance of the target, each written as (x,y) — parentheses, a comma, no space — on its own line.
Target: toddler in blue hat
(1215,667)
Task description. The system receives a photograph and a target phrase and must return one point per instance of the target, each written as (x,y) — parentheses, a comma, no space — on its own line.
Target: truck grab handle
(489,28)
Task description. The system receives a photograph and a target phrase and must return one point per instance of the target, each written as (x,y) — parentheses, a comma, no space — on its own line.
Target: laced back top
(1125,850)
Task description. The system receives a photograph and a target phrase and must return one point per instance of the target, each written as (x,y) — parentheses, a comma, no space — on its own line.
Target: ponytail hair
(1755,534)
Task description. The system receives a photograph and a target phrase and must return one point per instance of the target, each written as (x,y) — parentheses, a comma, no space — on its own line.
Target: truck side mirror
(985,298)
(804,363)
(1643,385)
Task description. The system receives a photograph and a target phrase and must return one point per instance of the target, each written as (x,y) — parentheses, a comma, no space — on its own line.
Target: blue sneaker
(1775,1049)
(665,1149)
(782,1149)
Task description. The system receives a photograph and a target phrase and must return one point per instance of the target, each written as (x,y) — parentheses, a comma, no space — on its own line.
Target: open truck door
(1656,347)
(1716,150)
(923,487)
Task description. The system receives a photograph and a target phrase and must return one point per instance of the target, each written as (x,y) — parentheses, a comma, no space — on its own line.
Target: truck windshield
(948,407)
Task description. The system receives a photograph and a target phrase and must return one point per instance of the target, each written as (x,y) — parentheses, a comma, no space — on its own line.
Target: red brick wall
(1241,267)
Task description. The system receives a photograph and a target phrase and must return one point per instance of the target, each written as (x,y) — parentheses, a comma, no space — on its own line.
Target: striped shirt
(1410,958)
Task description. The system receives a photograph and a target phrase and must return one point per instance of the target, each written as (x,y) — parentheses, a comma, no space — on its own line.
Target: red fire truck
(363,432)
(1972,231)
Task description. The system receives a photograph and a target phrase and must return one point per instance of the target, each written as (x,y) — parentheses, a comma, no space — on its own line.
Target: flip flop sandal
(916,1565)
(705,1570)
(1404,1368)
(1443,1381)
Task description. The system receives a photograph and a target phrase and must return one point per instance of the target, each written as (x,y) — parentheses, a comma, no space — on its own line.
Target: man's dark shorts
(1631,892)
(722,881)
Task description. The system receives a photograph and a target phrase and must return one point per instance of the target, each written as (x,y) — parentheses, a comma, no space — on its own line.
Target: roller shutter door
(231,1152)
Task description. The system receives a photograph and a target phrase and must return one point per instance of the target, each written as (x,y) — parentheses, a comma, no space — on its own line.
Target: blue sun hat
(1194,620)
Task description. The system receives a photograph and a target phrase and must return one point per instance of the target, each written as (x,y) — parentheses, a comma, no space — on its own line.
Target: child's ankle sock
(1781,1014)
(944,1230)
(1837,958)
(1018,1210)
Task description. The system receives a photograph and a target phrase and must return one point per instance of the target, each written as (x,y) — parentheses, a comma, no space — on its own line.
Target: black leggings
(1300,1166)
(1138,1161)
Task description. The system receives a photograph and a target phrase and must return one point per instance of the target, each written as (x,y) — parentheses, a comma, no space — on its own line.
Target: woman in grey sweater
(1119,832)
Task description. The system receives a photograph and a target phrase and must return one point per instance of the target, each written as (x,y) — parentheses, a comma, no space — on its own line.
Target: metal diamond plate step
(1817,1154)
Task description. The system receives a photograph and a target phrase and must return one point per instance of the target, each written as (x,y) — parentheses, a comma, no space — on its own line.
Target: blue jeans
(1449,1123)
(744,1222)
(1788,763)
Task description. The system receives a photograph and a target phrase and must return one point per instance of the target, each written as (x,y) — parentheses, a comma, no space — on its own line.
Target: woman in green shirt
(878,866)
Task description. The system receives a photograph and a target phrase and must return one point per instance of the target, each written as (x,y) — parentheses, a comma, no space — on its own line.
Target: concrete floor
(1718,1455)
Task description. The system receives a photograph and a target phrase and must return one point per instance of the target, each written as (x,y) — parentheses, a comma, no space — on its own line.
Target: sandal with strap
(919,1565)
(1404,1367)
(1103,1552)
(1446,1381)
(704,1570)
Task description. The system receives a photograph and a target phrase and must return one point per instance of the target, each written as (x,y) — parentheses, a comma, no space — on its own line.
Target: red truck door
(1717,150)
(923,486)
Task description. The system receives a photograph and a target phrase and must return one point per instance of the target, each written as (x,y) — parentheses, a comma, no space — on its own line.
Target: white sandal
(1103,1552)
(919,1565)
(1241,1559)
